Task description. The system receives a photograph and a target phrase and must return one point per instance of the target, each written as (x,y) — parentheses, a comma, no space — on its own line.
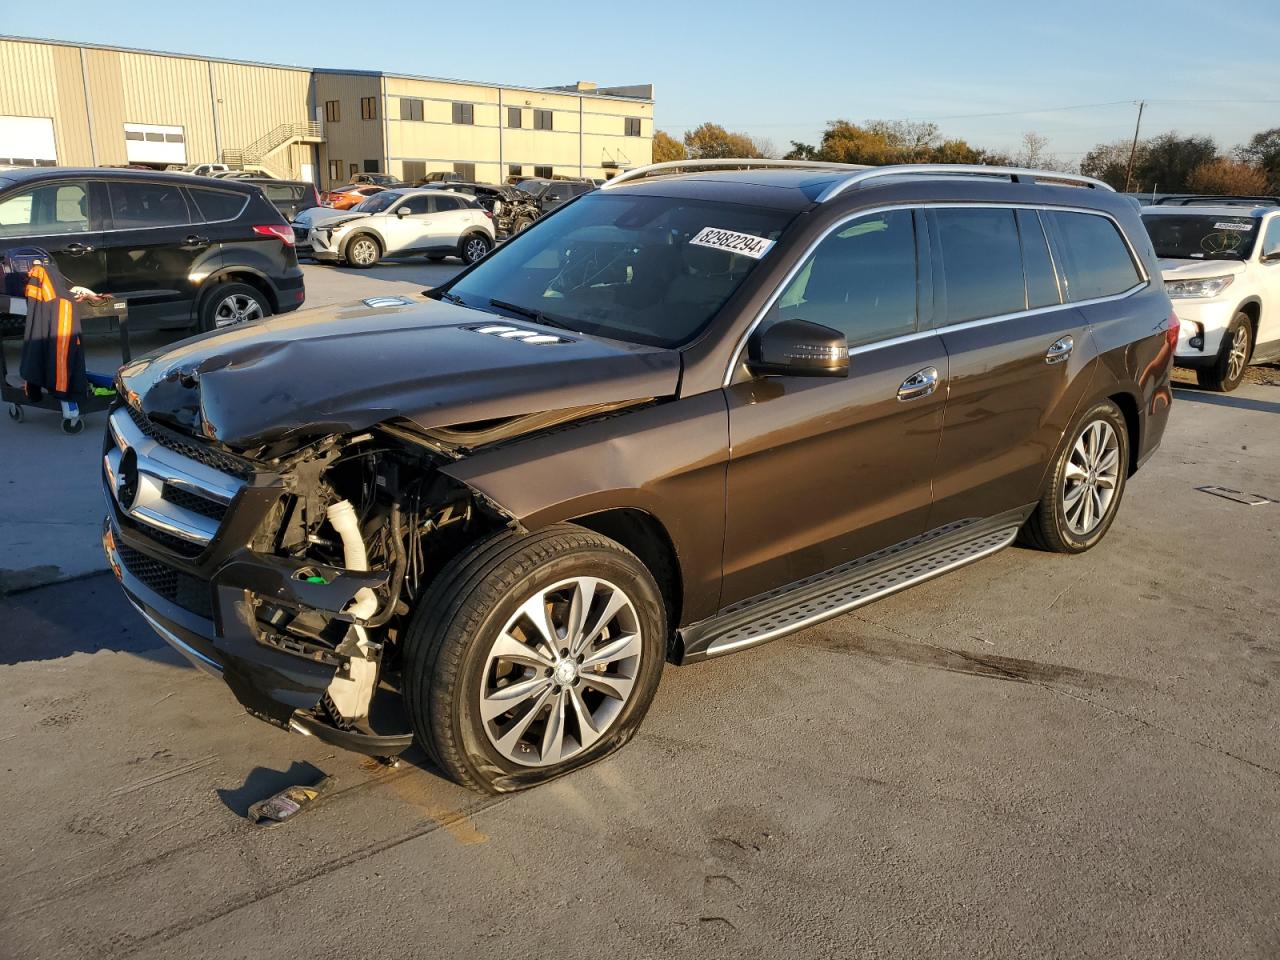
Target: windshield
(1201,236)
(377,202)
(651,270)
(531,186)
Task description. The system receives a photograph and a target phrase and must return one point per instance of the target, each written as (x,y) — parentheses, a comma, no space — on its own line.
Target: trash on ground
(1252,499)
(287,803)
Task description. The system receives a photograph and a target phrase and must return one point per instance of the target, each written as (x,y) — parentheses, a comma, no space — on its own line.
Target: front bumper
(1202,325)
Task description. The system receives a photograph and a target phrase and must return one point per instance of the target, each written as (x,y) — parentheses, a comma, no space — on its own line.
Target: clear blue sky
(781,69)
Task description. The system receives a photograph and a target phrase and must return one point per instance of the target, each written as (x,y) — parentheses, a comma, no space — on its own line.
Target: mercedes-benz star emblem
(127,478)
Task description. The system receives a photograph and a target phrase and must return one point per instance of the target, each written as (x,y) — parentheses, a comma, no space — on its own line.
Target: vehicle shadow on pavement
(1226,400)
(263,782)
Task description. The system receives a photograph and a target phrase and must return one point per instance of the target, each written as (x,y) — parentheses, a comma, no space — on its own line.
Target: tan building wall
(91,92)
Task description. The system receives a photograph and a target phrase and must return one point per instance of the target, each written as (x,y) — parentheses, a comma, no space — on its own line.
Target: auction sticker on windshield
(1245,226)
(732,242)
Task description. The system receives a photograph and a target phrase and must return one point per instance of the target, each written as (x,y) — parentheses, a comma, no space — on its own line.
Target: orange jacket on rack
(52,356)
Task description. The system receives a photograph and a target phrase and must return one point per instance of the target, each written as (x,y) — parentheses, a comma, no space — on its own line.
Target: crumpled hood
(325,216)
(333,371)
(1199,269)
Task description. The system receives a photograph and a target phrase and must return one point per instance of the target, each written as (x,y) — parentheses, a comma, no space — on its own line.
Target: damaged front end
(292,578)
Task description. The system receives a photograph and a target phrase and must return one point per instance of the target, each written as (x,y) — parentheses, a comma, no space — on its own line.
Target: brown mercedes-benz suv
(703,407)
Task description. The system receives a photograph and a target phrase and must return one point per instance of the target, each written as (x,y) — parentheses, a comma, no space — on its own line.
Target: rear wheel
(473,247)
(532,656)
(1233,356)
(1083,491)
(521,225)
(363,251)
(231,304)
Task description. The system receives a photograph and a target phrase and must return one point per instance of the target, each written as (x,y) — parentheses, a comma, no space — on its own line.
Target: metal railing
(273,140)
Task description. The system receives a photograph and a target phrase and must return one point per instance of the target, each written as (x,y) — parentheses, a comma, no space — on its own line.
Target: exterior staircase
(264,153)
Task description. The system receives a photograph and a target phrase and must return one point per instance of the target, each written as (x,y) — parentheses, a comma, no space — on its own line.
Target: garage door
(27,142)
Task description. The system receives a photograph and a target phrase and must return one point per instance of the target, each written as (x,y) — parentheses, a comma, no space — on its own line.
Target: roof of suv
(27,174)
(1210,210)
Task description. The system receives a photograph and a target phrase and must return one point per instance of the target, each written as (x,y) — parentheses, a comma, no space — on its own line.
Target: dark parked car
(514,211)
(379,179)
(290,197)
(177,249)
(686,415)
(549,194)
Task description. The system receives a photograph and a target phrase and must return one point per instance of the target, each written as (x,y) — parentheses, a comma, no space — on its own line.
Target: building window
(466,170)
(335,171)
(332,111)
(633,126)
(516,170)
(542,120)
(368,108)
(134,135)
(544,173)
(464,113)
(174,138)
(515,118)
(352,170)
(371,166)
(410,109)
(411,171)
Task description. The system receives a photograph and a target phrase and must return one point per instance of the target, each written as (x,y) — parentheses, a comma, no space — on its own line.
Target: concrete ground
(1035,756)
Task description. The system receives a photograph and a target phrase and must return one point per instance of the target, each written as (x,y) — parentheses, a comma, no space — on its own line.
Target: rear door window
(1096,260)
(861,280)
(139,204)
(216,205)
(1042,281)
(446,203)
(981,262)
(46,210)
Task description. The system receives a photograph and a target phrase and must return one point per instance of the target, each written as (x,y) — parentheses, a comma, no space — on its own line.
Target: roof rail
(1016,174)
(677,166)
(1206,199)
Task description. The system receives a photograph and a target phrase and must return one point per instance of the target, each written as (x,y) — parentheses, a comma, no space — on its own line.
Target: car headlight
(1208,287)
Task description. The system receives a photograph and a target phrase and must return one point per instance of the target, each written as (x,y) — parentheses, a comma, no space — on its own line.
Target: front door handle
(195,240)
(1059,350)
(77,249)
(920,384)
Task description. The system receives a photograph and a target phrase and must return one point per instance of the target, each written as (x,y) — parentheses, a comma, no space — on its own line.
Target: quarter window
(216,205)
(52,208)
(464,113)
(1097,260)
(981,262)
(410,108)
(860,281)
(136,204)
(543,120)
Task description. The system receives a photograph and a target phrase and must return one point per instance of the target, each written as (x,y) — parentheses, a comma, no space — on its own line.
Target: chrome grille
(179,444)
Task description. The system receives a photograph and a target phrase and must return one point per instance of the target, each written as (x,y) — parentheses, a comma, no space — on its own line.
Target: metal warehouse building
(87,105)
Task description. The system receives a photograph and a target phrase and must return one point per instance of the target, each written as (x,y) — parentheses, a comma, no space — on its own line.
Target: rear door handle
(77,249)
(920,384)
(196,241)
(1059,350)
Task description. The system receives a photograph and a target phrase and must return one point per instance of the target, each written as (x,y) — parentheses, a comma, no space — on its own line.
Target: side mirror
(798,348)
(402,212)
(1271,257)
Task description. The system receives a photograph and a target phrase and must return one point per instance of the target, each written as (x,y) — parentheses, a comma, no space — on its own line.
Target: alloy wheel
(1091,477)
(1238,355)
(364,252)
(560,671)
(475,249)
(235,309)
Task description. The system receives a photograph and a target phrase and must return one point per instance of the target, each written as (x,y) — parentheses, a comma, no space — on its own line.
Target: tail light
(281,231)
(1171,331)
(487,213)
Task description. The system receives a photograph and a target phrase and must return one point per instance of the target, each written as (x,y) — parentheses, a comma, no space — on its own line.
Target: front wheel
(363,251)
(474,247)
(1083,491)
(1233,356)
(532,656)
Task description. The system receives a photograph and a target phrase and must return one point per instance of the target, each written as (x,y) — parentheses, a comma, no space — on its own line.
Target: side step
(823,596)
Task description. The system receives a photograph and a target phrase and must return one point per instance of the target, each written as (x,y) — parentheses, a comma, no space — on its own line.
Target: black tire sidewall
(625,571)
(462,247)
(1221,382)
(215,295)
(1072,542)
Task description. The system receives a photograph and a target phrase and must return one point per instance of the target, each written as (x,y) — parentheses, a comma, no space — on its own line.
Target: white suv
(1220,257)
(438,223)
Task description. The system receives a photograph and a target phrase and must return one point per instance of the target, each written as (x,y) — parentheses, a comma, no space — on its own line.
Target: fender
(668,460)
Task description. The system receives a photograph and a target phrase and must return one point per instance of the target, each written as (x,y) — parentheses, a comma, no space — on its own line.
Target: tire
(73,426)
(1063,522)
(362,251)
(474,613)
(521,225)
(474,247)
(16,413)
(1233,357)
(231,304)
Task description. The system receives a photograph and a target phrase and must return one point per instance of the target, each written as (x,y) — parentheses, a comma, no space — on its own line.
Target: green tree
(710,141)
(880,142)
(1263,151)
(1107,162)
(1169,160)
(667,147)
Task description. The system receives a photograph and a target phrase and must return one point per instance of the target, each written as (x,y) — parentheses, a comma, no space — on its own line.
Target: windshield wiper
(450,297)
(529,313)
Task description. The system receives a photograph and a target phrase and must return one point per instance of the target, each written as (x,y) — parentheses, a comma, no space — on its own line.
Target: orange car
(346,197)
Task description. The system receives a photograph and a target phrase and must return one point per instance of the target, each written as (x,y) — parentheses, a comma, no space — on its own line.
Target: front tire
(1083,491)
(231,304)
(474,247)
(1233,357)
(363,251)
(532,656)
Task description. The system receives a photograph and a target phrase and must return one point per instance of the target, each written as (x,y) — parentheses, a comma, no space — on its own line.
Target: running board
(834,592)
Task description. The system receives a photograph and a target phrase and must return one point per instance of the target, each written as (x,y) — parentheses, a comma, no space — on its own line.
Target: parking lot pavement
(50,502)
(1035,756)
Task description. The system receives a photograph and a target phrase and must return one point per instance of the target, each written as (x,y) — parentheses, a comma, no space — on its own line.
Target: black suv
(179,250)
(549,194)
(681,417)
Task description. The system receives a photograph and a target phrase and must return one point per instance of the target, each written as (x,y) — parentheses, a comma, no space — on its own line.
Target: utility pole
(1133,151)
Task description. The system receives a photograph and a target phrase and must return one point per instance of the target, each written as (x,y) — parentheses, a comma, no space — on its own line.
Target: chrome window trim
(191,202)
(1145,278)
